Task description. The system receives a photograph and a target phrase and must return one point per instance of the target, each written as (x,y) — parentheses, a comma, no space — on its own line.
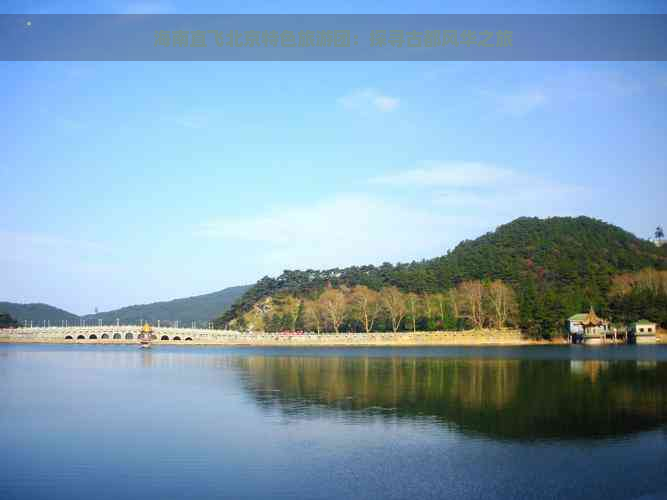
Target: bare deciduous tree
(334,304)
(472,302)
(503,301)
(291,306)
(647,279)
(439,300)
(454,302)
(313,315)
(428,303)
(367,306)
(394,303)
(412,301)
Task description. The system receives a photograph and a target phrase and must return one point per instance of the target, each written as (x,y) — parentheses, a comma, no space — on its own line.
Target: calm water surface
(117,422)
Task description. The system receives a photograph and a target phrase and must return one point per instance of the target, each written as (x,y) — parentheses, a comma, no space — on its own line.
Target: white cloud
(488,192)
(522,103)
(450,174)
(385,103)
(533,198)
(367,100)
(564,89)
(343,230)
(595,84)
(436,207)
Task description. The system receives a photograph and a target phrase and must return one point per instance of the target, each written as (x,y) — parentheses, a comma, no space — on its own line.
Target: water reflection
(503,399)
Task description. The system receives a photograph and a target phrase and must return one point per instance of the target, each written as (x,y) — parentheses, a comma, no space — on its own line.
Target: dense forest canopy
(198,308)
(6,321)
(556,267)
(37,313)
(185,311)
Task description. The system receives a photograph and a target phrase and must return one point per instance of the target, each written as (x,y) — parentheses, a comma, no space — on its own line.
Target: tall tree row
(556,267)
(472,305)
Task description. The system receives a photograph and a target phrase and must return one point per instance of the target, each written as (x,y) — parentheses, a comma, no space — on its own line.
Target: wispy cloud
(367,100)
(522,103)
(346,229)
(487,191)
(446,174)
(563,90)
(147,8)
(440,204)
(505,202)
(191,119)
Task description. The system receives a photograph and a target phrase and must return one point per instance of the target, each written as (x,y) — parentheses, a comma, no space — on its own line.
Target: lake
(117,422)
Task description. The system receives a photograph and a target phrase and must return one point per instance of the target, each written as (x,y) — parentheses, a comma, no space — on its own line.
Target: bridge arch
(129,336)
(105,336)
(80,337)
(141,336)
(164,337)
(68,337)
(176,338)
(93,336)
(188,339)
(116,336)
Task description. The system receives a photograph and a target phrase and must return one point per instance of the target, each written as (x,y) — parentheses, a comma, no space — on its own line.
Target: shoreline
(469,338)
(404,339)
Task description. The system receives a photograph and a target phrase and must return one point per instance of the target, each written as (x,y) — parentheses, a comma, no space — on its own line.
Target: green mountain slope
(37,313)
(6,321)
(199,308)
(557,266)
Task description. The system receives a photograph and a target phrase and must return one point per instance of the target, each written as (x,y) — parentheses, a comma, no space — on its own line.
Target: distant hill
(37,313)
(199,308)
(557,266)
(6,321)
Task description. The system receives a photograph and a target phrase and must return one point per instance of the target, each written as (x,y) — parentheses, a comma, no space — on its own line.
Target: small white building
(644,331)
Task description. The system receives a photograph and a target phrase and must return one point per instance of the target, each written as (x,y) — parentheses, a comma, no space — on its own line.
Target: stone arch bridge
(112,334)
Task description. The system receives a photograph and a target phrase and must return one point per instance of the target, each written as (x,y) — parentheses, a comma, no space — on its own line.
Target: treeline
(6,321)
(556,267)
(473,304)
(641,295)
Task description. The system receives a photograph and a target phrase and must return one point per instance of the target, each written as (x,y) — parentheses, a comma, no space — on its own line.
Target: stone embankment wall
(186,336)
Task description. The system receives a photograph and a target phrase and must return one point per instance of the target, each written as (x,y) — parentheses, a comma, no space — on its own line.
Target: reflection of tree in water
(516,399)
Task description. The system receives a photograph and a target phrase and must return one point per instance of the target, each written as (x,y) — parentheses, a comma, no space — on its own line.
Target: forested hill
(575,252)
(199,308)
(37,313)
(557,266)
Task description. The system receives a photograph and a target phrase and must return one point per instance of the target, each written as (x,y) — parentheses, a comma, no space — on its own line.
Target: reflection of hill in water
(511,399)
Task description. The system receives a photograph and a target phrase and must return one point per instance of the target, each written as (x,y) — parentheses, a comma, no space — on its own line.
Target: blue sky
(132,182)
